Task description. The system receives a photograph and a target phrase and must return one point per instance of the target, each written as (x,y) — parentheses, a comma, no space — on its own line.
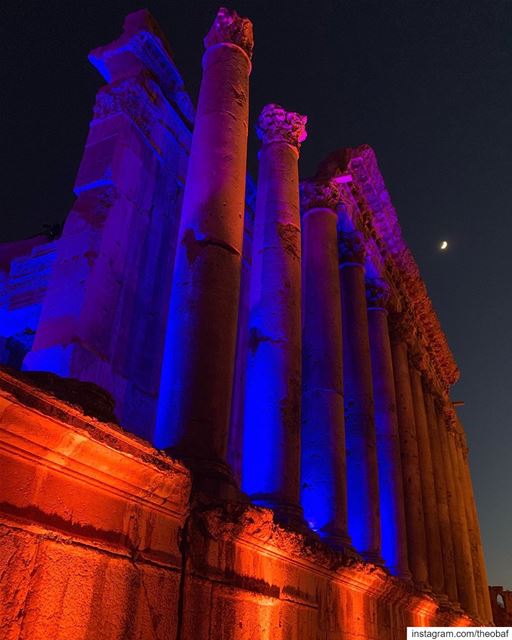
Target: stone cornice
(254,528)
(229,27)
(56,426)
(275,124)
(378,219)
(319,195)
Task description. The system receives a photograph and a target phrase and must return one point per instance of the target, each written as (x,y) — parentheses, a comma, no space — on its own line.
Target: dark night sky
(427,83)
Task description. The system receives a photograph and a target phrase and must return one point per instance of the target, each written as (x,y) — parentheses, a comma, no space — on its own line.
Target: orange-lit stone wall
(99,540)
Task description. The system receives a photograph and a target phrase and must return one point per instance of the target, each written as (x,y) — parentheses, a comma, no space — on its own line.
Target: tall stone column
(401,332)
(362,469)
(391,493)
(428,489)
(197,373)
(461,545)
(477,554)
(272,421)
(323,482)
(439,474)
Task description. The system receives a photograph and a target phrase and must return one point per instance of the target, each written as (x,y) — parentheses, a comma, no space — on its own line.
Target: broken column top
(275,124)
(228,27)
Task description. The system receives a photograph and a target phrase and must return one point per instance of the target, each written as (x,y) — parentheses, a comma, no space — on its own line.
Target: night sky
(428,84)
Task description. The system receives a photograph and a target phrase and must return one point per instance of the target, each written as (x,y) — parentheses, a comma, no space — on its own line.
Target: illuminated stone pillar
(391,494)
(362,469)
(428,489)
(477,554)
(414,518)
(272,421)
(197,373)
(439,474)
(461,545)
(323,481)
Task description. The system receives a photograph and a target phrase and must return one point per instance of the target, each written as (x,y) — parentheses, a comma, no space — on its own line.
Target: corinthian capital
(277,125)
(418,360)
(351,247)
(321,195)
(401,328)
(450,416)
(378,293)
(229,27)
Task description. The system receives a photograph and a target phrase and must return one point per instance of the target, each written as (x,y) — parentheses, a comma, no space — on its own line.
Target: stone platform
(100,538)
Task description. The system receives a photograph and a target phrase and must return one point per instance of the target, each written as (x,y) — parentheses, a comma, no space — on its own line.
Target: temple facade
(224,406)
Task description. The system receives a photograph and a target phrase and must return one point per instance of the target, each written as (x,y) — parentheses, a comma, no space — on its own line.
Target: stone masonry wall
(100,540)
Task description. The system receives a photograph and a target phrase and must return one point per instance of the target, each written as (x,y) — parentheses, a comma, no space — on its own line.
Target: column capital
(401,328)
(448,414)
(352,248)
(462,442)
(319,194)
(378,293)
(429,383)
(418,360)
(229,28)
(275,124)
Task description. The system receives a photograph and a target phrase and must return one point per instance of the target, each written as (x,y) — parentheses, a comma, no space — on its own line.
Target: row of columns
(378,468)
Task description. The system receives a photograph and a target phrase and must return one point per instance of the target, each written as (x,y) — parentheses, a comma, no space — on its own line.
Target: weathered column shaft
(323,482)
(477,554)
(271,455)
(445,527)
(414,517)
(197,373)
(461,546)
(391,494)
(431,516)
(362,470)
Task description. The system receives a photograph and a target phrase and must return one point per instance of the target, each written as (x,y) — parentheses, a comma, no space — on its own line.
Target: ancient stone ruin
(224,410)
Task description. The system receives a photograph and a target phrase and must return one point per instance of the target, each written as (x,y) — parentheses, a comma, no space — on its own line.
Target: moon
(443,246)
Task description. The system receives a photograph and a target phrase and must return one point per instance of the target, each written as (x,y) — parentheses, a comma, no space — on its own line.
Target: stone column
(439,473)
(362,470)
(401,332)
(479,568)
(461,545)
(323,482)
(428,489)
(392,511)
(197,373)
(272,422)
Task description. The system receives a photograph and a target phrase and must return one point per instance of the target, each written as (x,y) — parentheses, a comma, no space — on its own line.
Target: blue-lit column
(197,372)
(272,422)
(362,469)
(392,512)
(323,481)
(401,331)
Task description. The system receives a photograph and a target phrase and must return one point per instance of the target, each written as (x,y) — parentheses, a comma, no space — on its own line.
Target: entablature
(365,205)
